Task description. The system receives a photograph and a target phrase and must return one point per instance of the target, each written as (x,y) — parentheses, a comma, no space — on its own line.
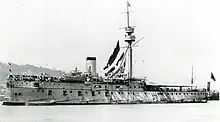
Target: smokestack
(91,65)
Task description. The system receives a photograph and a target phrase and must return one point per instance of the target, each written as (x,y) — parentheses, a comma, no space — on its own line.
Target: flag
(122,55)
(113,56)
(123,67)
(105,67)
(111,70)
(212,77)
(128,4)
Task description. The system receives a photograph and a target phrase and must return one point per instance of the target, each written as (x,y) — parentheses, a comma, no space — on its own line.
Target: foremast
(129,38)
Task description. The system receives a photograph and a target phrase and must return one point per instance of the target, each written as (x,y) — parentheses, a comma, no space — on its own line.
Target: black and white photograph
(109,60)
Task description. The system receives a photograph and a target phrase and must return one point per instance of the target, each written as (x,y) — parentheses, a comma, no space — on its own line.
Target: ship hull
(61,93)
(57,103)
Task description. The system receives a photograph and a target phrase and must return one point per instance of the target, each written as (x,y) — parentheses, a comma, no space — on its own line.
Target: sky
(60,34)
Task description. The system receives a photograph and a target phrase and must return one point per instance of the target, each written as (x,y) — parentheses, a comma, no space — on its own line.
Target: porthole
(70,91)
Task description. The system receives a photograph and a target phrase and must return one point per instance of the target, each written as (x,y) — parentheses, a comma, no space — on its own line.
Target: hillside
(19,69)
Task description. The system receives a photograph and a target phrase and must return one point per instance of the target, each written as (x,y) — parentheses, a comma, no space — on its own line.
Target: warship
(118,86)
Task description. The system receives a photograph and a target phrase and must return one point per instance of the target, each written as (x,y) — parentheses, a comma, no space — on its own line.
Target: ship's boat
(83,88)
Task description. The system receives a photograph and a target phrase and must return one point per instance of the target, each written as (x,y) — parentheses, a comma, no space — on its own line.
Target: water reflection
(202,112)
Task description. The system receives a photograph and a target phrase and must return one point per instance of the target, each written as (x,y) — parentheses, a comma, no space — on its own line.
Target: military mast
(129,38)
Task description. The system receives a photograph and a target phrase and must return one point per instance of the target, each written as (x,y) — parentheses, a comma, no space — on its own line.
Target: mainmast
(129,38)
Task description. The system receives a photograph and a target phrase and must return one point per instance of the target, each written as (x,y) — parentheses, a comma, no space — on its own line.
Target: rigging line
(137,41)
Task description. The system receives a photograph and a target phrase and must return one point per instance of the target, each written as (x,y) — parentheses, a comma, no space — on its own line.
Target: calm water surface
(196,112)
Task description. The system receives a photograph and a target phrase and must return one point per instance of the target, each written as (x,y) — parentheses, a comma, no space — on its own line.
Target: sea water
(188,112)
